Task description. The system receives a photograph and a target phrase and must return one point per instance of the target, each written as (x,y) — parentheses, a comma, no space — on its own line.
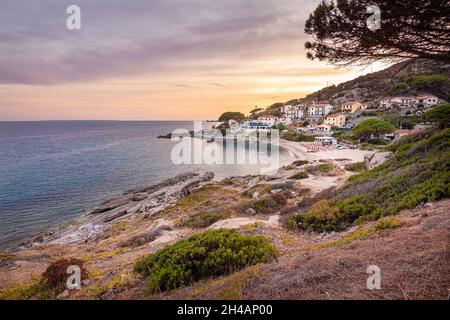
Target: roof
(320,105)
(405,131)
(426,96)
(335,115)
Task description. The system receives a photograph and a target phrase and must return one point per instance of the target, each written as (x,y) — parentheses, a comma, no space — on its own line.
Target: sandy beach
(298,152)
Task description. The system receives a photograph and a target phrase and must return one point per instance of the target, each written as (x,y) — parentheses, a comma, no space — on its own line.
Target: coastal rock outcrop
(148,201)
(375,159)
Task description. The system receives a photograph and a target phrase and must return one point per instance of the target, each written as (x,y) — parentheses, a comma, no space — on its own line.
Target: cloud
(142,37)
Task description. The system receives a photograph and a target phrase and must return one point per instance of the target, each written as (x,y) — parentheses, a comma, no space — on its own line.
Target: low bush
(356,167)
(321,169)
(300,163)
(300,175)
(268,204)
(386,223)
(204,219)
(56,273)
(204,255)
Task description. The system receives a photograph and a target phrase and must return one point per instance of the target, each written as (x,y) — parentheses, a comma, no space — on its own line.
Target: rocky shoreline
(145,202)
(149,201)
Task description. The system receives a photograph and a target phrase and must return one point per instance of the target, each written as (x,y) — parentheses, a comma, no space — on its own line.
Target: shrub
(356,167)
(300,163)
(418,172)
(321,169)
(204,255)
(300,175)
(439,114)
(268,204)
(204,219)
(56,273)
(386,223)
(297,137)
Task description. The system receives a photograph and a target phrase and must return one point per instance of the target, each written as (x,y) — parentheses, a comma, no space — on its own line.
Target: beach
(299,152)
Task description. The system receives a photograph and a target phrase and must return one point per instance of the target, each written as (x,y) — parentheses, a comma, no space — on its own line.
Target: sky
(155,59)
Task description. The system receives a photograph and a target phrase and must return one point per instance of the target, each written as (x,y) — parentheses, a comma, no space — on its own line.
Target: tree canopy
(418,29)
(440,115)
(372,127)
(227,116)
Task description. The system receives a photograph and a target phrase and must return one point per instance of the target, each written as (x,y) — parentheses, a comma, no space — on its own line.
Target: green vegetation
(300,175)
(418,172)
(321,169)
(281,127)
(266,205)
(297,137)
(37,290)
(356,167)
(227,116)
(439,114)
(386,223)
(204,219)
(400,86)
(369,113)
(432,81)
(372,127)
(359,234)
(300,163)
(204,255)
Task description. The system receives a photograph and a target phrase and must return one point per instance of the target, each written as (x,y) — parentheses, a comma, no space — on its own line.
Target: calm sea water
(50,172)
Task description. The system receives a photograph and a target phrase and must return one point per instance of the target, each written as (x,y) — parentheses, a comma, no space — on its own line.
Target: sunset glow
(155,60)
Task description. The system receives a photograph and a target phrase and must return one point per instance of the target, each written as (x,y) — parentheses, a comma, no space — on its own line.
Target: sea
(53,171)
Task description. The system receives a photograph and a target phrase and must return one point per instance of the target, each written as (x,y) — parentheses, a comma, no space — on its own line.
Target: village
(319,125)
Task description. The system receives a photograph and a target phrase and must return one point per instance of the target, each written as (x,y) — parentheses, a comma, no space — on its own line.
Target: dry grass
(414,260)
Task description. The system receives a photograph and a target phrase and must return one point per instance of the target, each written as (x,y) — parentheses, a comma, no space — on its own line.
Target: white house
(285,120)
(297,112)
(426,101)
(268,119)
(319,110)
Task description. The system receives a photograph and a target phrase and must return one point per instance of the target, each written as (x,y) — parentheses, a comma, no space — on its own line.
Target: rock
(251,211)
(255,195)
(86,228)
(208,176)
(38,239)
(63,295)
(276,191)
(252,183)
(139,197)
(375,159)
(116,216)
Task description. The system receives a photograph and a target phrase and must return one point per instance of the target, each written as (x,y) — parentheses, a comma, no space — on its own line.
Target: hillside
(378,84)
(373,86)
